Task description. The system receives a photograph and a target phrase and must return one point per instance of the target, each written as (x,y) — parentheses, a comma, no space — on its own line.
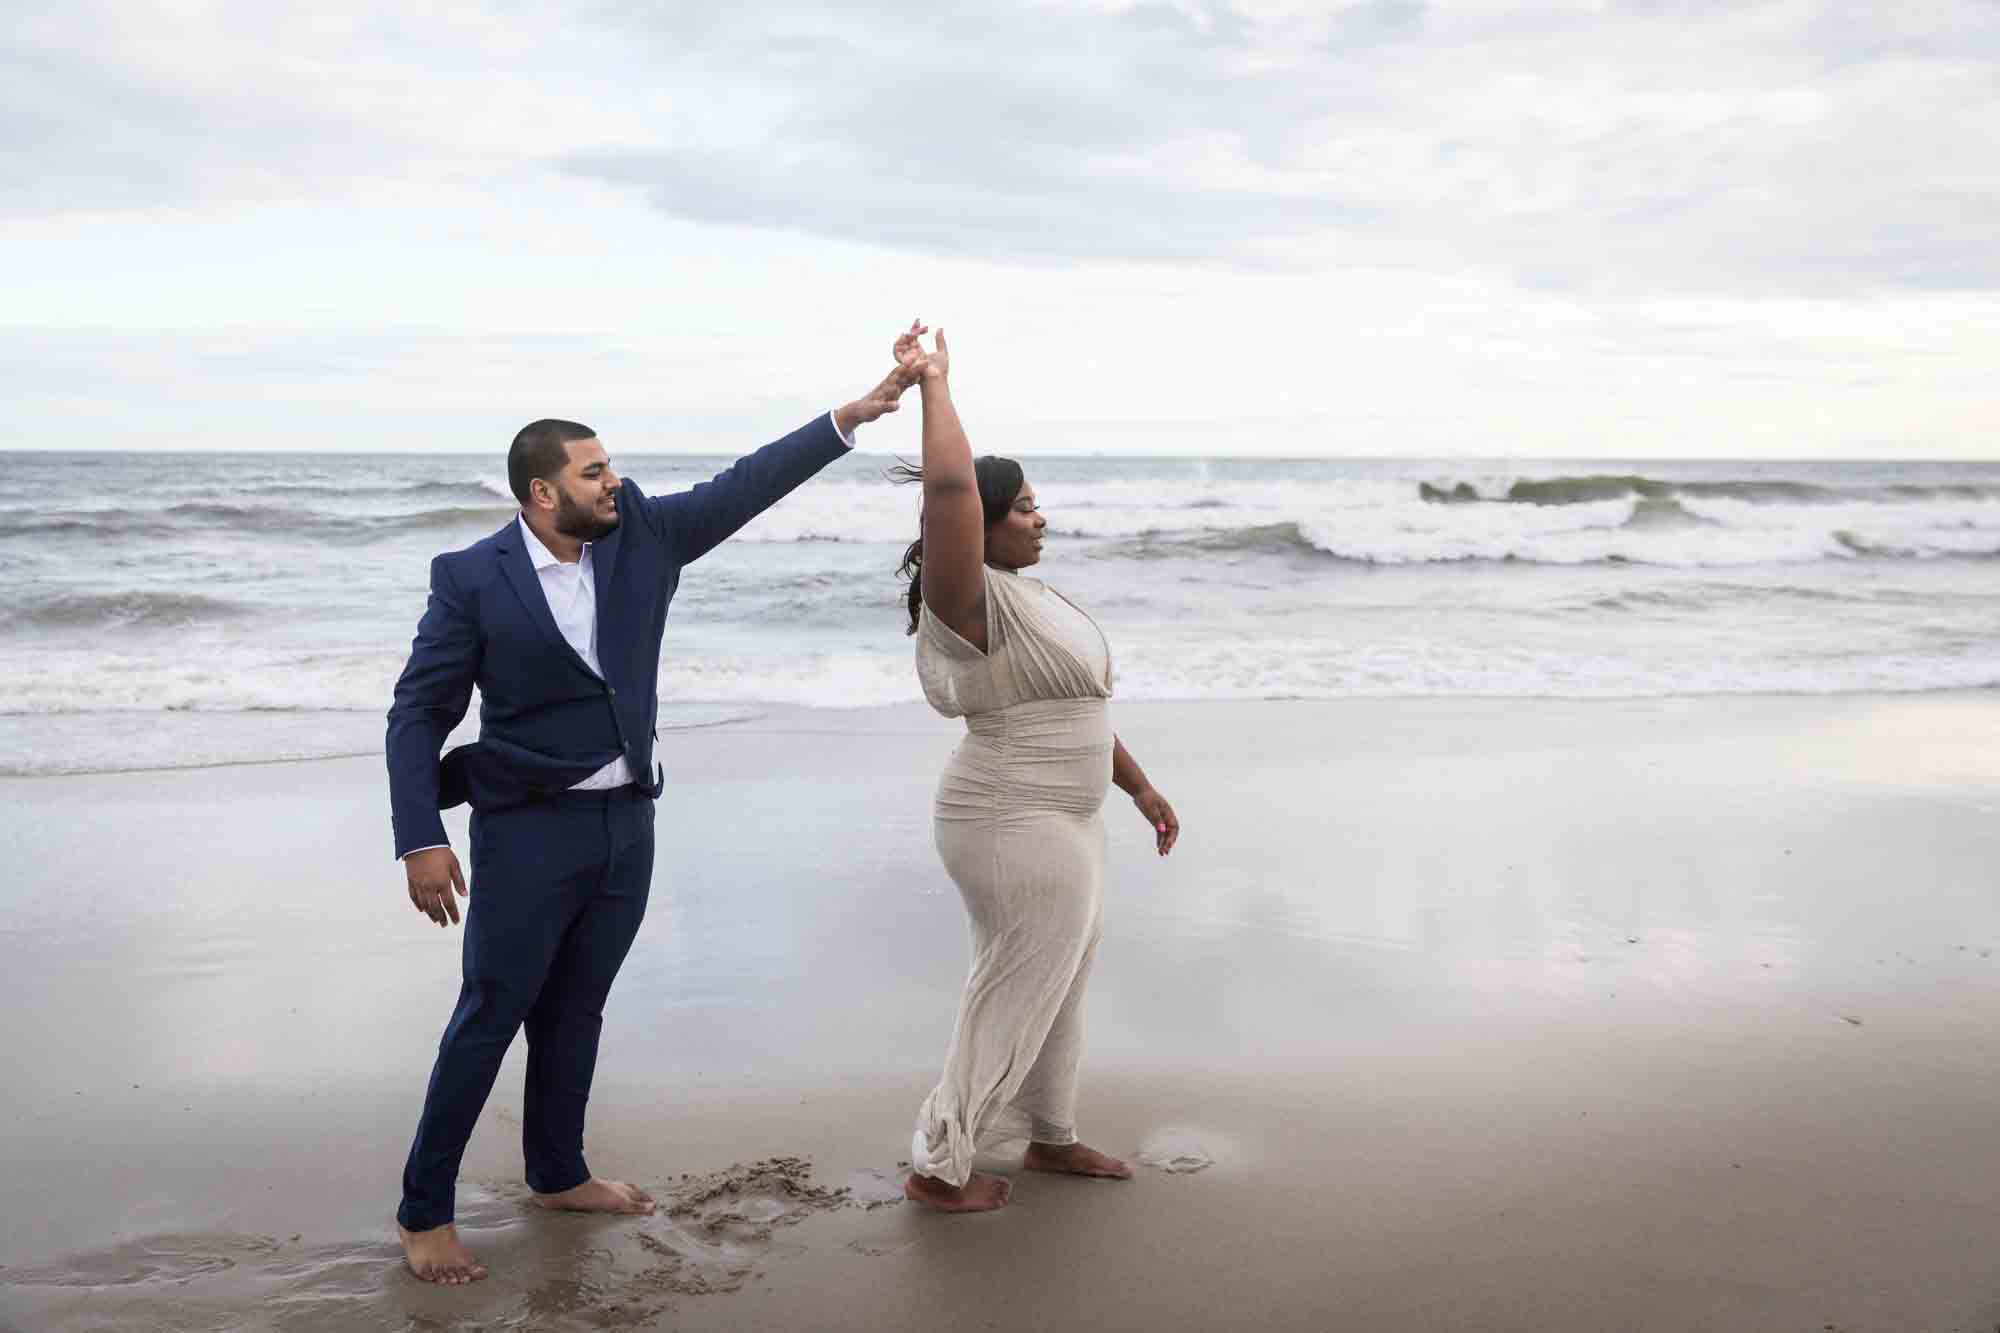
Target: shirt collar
(541,556)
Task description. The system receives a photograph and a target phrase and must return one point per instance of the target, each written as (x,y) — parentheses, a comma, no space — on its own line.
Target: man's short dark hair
(538,453)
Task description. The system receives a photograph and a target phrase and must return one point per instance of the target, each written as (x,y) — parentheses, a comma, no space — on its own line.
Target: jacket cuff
(421,835)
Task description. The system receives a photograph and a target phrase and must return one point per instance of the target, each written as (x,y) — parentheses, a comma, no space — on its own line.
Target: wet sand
(1446,1014)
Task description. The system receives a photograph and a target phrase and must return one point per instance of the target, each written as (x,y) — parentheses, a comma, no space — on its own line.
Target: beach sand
(1474,1014)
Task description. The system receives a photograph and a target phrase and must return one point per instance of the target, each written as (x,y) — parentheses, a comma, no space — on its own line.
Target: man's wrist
(845,419)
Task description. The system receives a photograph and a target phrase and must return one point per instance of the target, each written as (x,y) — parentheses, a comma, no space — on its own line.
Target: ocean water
(170,610)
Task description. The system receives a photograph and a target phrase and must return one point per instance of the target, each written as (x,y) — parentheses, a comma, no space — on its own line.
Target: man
(557,618)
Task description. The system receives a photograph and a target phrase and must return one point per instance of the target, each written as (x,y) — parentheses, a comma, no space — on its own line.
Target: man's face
(586,492)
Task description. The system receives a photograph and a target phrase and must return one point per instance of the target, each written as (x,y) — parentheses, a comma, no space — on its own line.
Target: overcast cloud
(1380,227)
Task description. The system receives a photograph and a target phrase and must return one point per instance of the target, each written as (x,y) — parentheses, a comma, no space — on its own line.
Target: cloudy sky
(1355,227)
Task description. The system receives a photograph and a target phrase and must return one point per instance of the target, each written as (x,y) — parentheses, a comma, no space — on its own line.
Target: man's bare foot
(600,1196)
(981,1194)
(439,1256)
(1074,1159)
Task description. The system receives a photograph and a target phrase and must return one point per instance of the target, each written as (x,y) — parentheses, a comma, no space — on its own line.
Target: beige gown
(1019,827)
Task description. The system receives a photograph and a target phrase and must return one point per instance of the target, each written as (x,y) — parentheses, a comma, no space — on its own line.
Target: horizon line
(190,451)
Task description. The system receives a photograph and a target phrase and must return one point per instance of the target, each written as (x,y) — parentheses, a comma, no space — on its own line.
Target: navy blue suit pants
(558,891)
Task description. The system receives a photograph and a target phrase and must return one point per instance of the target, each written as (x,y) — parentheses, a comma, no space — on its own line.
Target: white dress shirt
(571,590)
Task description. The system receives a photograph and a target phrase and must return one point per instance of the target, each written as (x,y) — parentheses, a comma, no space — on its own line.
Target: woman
(1018,808)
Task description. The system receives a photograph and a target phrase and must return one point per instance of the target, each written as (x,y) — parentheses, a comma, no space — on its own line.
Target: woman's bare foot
(600,1196)
(439,1256)
(1073,1159)
(981,1194)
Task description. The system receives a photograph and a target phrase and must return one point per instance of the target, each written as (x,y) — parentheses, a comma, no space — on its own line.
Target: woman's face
(1015,542)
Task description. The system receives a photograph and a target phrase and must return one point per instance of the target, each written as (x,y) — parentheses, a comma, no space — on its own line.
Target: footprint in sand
(872,1189)
(1176,1151)
(747,1202)
(715,1227)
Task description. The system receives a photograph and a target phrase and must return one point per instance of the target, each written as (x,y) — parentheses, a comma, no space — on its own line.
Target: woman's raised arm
(954,532)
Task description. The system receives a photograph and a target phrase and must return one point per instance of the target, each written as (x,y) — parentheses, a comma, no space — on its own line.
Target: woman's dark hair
(1000,481)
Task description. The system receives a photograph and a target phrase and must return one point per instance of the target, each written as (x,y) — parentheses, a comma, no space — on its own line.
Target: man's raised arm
(698,520)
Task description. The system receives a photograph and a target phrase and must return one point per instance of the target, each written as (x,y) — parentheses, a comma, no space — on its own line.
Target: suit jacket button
(611,691)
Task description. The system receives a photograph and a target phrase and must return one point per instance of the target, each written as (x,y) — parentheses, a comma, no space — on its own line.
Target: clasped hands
(914,364)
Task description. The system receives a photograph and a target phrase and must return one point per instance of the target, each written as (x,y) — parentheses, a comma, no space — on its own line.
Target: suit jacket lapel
(520,572)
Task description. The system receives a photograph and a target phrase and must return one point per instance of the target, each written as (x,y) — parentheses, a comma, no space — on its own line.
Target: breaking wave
(1661,514)
(466,492)
(1593,488)
(191,518)
(1662,532)
(148,610)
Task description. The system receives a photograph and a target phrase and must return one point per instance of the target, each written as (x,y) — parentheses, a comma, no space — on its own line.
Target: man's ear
(541,492)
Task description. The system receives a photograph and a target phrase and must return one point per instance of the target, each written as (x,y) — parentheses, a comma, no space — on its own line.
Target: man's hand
(433,874)
(878,401)
(1166,828)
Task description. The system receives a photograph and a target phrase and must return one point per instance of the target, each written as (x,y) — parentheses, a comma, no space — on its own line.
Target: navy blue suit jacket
(546,721)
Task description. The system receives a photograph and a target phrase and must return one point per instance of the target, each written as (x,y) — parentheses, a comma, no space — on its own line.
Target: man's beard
(575,520)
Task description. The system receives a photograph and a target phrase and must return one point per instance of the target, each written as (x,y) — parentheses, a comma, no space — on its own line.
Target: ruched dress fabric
(1019,825)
